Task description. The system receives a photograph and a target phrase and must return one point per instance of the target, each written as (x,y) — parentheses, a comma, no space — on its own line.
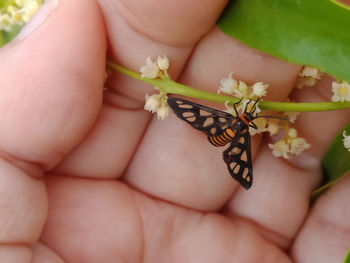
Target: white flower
(302,82)
(341,91)
(307,77)
(163,112)
(292,133)
(290,144)
(152,103)
(308,71)
(346,141)
(157,103)
(156,69)
(273,127)
(20,3)
(260,123)
(298,145)
(241,91)
(163,63)
(259,89)
(292,115)
(16,15)
(280,149)
(6,22)
(30,9)
(150,70)
(228,85)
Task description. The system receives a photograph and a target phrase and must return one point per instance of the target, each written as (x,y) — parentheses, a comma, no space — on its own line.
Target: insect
(222,128)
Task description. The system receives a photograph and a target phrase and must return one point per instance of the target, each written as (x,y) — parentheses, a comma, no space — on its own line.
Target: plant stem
(173,87)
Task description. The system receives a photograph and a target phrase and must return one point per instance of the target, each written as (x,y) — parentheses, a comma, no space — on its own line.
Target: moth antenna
(246,106)
(234,106)
(238,102)
(254,105)
(274,117)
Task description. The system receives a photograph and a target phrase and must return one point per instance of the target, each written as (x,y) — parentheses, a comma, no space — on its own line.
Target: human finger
(280,199)
(183,167)
(135,31)
(49,99)
(325,235)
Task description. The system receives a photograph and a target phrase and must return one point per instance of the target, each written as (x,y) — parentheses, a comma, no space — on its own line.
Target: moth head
(249,117)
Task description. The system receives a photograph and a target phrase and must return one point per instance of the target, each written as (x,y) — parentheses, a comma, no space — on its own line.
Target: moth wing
(211,121)
(239,159)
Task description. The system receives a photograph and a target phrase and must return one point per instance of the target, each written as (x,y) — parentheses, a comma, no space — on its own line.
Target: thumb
(52,78)
(51,88)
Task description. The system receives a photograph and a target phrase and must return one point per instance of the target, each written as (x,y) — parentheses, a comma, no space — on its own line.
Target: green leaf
(307,32)
(2,38)
(4,3)
(347,257)
(335,162)
(6,37)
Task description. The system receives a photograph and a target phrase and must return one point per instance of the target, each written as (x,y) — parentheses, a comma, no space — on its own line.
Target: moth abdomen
(223,138)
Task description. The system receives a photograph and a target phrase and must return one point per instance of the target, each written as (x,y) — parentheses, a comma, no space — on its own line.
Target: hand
(88,176)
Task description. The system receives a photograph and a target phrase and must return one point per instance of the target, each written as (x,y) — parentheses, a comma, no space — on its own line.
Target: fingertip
(217,54)
(325,234)
(52,78)
(156,18)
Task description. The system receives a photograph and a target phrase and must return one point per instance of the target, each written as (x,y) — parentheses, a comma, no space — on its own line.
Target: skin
(86,175)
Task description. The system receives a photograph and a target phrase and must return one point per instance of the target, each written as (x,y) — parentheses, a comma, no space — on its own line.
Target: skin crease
(88,176)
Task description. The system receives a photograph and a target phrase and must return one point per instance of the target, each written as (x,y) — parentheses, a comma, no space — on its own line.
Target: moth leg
(253,125)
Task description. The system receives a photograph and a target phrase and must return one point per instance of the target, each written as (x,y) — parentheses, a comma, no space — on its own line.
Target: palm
(174,200)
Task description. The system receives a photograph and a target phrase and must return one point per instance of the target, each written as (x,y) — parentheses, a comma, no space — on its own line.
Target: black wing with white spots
(239,159)
(202,118)
(221,128)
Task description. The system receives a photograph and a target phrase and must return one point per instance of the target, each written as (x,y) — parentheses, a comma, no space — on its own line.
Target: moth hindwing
(221,128)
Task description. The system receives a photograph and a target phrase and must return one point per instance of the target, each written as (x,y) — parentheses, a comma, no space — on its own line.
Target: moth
(223,128)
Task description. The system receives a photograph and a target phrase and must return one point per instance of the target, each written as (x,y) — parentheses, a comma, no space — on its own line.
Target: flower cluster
(292,115)
(156,69)
(239,89)
(275,125)
(341,91)
(289,144)
(346,141)
(248,94)
(156,103)
(307,77)
(18,12)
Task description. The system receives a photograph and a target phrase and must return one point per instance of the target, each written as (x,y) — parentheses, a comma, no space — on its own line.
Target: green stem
(173,87)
